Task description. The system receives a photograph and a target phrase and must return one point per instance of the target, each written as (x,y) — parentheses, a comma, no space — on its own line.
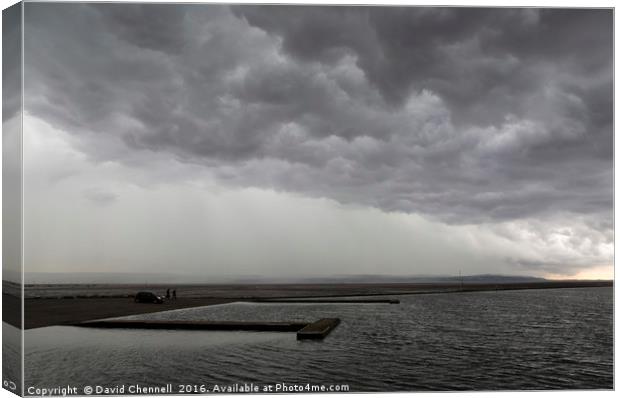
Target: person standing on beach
(168,294)
(174,294)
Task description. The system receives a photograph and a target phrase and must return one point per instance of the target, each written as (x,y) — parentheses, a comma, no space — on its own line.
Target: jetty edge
(314,330)
(320,300)
(318,330)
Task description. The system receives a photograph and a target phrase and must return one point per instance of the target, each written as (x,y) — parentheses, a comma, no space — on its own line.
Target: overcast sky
(312,141)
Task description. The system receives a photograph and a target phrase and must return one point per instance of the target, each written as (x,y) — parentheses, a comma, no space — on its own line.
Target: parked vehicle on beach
(148,297)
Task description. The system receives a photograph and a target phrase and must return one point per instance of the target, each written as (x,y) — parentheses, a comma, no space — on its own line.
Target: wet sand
(47,312)
(68,308)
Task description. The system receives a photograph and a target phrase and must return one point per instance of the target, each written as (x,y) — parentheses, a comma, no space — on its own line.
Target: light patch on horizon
(605,272)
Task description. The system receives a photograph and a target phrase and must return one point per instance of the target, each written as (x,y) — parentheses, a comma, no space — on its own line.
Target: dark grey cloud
(466,115)
(159,33)
(11,61)
(476,59)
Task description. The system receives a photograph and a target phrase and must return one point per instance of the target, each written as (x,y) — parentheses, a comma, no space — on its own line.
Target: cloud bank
(488,119)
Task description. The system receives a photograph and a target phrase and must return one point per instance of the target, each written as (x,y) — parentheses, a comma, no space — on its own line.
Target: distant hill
(486,278)
(133,278)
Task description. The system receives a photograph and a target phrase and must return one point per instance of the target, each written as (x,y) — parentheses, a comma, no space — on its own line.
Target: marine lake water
(499,340)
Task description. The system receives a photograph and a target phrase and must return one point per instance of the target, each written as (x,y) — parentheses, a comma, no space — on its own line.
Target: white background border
(487,3)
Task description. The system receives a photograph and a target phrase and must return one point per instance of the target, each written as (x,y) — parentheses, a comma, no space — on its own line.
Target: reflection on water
(534,339)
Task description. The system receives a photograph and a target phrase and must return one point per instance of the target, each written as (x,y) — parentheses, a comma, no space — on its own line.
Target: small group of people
(174,294)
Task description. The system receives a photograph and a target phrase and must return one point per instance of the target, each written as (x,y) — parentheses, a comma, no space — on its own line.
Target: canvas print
(235,198)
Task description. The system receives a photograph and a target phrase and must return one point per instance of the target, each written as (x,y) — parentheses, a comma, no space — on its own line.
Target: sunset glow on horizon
(605,272)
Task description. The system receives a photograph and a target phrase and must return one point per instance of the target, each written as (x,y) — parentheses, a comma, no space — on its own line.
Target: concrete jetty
(326,301)
(195,325)
(315,330)
(318,330)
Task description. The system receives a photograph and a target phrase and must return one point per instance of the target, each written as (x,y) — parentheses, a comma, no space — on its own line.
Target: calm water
(531,339)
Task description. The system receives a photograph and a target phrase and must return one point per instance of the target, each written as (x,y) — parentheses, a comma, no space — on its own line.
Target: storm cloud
(490,117)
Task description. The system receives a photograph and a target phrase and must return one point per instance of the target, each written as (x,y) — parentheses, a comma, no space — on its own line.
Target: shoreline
(42,312)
